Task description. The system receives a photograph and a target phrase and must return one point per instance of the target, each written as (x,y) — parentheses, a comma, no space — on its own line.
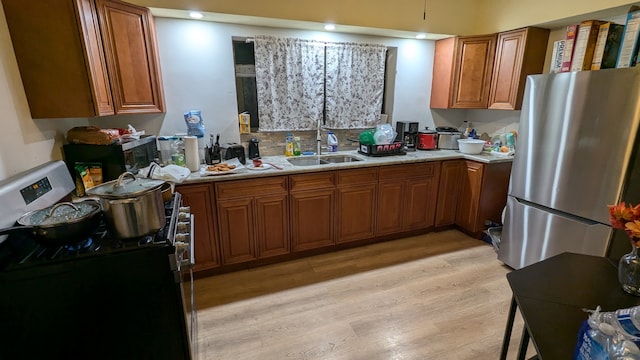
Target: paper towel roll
(192,158)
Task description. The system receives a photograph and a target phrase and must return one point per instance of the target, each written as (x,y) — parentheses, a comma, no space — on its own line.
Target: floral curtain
(354,84)
(290,83)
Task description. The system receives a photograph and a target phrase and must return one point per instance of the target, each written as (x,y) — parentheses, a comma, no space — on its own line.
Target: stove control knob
(184,227)
(184,216)
(185,238)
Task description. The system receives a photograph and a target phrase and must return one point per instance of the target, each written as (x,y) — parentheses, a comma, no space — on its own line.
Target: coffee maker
(254,152)
(408,133)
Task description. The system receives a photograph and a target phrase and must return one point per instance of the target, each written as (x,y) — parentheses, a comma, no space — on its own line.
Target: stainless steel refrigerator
(577,152)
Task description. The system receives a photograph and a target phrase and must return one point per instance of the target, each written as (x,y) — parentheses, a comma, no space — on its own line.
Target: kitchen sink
(322,160)
(334,159)
(307,161)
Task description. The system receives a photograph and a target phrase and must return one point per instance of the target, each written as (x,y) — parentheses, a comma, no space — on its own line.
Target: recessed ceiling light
(421,36)
(329,27)
(195,15)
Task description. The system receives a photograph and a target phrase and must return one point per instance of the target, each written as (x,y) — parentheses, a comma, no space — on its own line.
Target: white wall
(198,73)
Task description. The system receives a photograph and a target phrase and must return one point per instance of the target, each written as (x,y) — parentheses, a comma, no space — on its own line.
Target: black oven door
(123,305)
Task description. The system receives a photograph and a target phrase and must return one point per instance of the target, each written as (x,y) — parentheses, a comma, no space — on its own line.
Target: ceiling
(292,24)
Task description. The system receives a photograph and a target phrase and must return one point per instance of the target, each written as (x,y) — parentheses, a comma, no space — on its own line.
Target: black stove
(22,250)
(99,297)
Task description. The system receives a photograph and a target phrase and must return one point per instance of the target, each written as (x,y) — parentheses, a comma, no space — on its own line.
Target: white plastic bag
(384,134)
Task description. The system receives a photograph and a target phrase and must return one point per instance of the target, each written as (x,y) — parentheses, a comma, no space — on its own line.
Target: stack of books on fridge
(596,44)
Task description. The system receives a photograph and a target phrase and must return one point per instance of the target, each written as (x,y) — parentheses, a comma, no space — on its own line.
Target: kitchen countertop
(367,161)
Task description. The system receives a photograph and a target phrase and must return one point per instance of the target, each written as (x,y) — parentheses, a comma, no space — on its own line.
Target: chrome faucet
(319,137)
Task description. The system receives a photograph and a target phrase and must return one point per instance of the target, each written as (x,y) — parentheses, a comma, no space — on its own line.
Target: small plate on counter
(261,167)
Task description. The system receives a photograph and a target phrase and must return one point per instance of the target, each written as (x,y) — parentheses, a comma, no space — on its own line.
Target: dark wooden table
(551,296)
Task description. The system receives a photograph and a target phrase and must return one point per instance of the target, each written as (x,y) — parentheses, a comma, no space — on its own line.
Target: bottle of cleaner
(332,142)
(288,150)
(177,152)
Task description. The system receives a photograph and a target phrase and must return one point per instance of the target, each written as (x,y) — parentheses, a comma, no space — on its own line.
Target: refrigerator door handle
(532,233)
(572,217)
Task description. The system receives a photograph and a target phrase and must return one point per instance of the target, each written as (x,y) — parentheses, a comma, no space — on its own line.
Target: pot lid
(62,213)
(125,188)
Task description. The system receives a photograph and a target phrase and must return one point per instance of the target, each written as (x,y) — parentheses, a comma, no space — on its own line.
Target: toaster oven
(448,138)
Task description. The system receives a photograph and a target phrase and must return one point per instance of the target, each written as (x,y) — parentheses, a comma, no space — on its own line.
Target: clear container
(296,146)
(165,147)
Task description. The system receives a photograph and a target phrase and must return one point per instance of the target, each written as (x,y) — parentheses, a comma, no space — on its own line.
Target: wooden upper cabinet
(129,39)
(462,72)
(519,53)
(85,58)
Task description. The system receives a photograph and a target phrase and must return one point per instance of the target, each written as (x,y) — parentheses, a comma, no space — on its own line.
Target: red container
(428,140)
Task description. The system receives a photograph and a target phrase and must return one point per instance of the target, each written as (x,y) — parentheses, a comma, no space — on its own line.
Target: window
(245,68)
(328,74)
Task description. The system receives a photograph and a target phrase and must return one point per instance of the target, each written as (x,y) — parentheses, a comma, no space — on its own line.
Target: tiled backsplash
(273,143)
(492,122)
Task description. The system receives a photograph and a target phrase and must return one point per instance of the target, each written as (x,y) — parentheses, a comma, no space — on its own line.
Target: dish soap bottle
(288,150)
(177,154)
(332,141)
(296,146)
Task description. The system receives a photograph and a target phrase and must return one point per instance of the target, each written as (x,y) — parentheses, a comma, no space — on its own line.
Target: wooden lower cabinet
(273,216)
(253,219)
(312,198)
(237,240)
(272,225)
(451,174)
(356,196)
(390,206)
(483,195)
(407,197)
(199,197)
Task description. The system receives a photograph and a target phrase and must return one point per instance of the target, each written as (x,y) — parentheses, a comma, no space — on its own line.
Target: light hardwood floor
(442,295)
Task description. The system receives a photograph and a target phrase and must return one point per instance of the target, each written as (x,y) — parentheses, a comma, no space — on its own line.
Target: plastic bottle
(288,149)
(177,152)
(626,321)
(463,127)
(296,146)
(332,142)
(594,340)
(620,328)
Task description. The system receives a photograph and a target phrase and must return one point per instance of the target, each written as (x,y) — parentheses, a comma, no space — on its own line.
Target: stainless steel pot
(133,207)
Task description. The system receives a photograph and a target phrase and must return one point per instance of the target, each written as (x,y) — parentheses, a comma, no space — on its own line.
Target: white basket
(470,146)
